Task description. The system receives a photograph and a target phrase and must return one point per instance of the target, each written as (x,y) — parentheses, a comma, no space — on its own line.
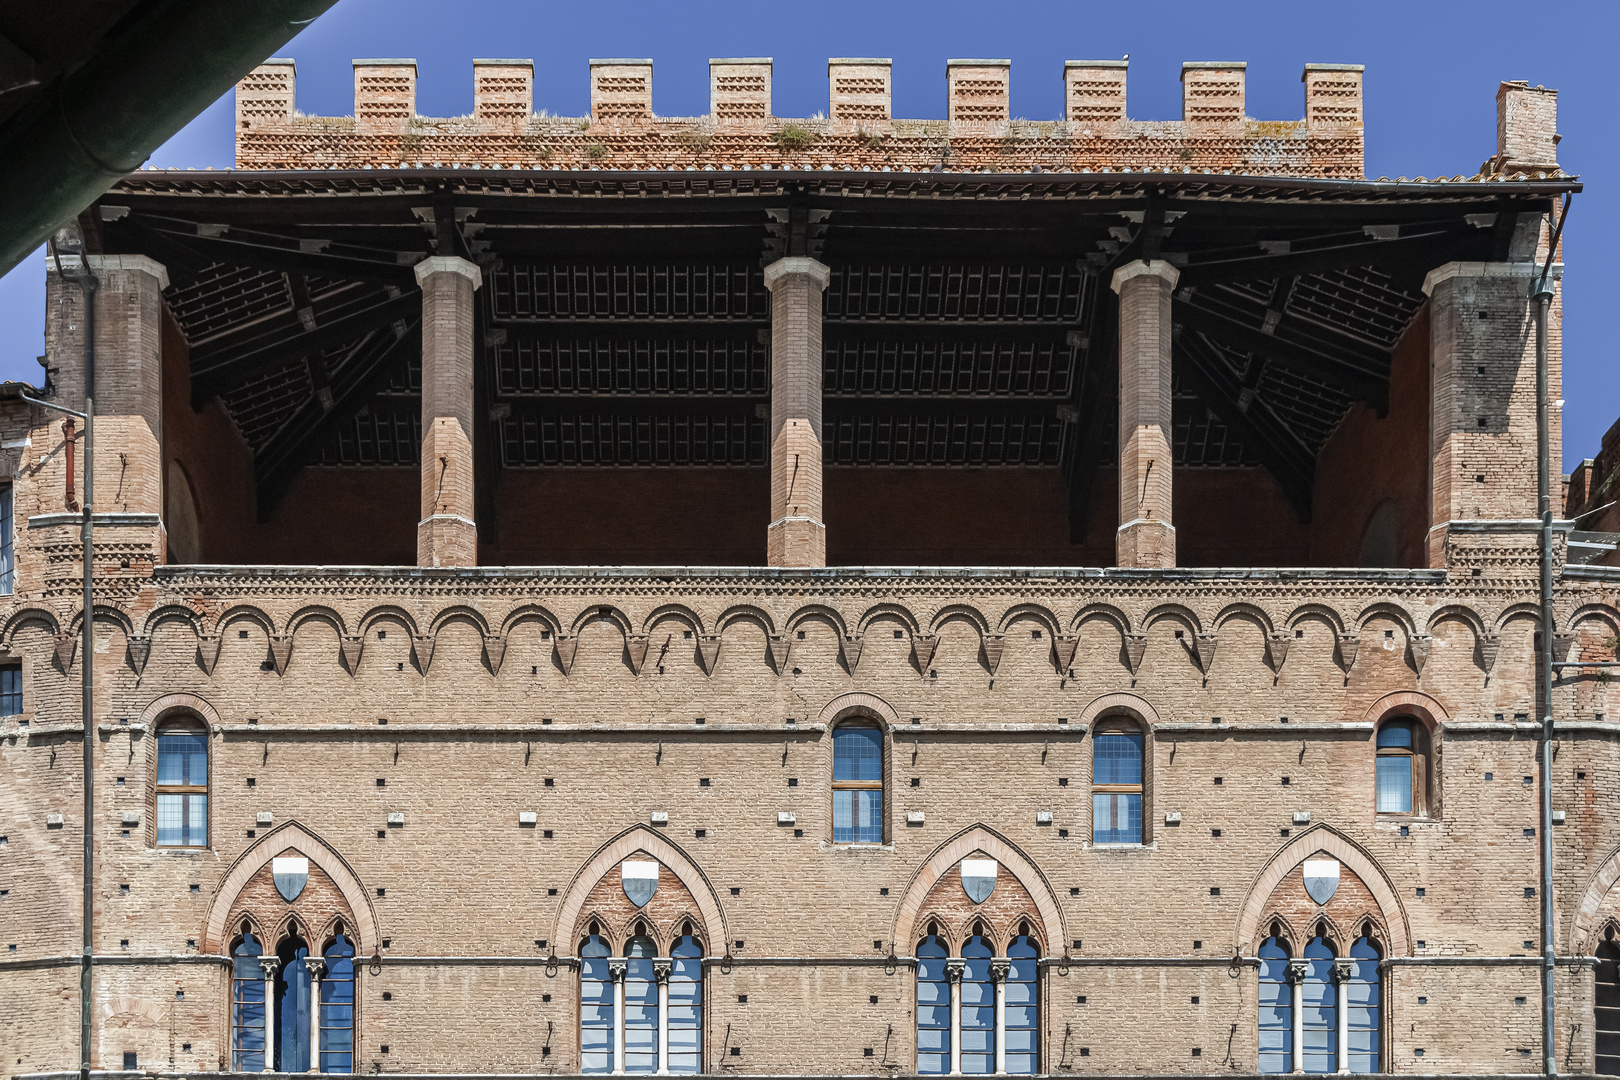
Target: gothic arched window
(978,1023)
(1606,1007)
(1021,1013)
(1363,1000)
(1319,1009)
(1116,783)
(641,1012)
(1276,1007)
(933,1006)
(247,1005)
(337,1007)
(640,1007)
(685,1036)
(595,1005)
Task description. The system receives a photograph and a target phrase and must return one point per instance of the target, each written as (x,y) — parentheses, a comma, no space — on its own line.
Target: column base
(446,540)
(796,541)
(1145,543)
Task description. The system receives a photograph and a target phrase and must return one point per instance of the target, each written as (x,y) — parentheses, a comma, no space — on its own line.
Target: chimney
(1526,128)
(1332,98)
(740,89)
(265,95)
(1094,91)
(503,92)
(859,93)
(384,94)
(621,90)
(978,91)
(1212,96)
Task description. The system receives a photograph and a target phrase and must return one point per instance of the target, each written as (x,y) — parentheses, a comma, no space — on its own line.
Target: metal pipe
(87,651)
(1541,292)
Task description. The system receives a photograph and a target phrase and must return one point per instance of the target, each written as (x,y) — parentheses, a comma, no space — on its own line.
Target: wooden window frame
(190,726)
(1120,725)
(1418,754)
(880,785)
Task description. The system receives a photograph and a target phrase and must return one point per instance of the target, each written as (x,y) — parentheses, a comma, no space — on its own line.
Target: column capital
(269,965)
(663,967)
(110,263)
(448,264)
(1526,270)
(1298,970)
(955,968)
(797,264)
(1344,969)
(1158,268)
(1000,968)
(316,966)
(618,968)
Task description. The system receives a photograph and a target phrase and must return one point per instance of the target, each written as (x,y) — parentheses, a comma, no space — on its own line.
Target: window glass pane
(1320,1021)
(1116,758)
(978,1014)
(11,691)
(1395,784)
(1397,733)
(196,821)
(858,816)
(247,1008)
(1276,1010)
(1362,1020)
(8,564)
(337,1008)
(171,819)
(1116,818)
(857,753)
(933,1009)
(1020,1018)
(596,1007)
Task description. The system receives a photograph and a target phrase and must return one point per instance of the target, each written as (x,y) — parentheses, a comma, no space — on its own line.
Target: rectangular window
(11,690)
(8,551)
(1394,784)
(1116,786)
(857,787)
(182,789)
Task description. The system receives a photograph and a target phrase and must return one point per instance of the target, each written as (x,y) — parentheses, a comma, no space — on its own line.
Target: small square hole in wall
(867,1052)
(916,781)
(381,782)
(241,634)
(1528,891)
(736,1051)
(1529,944)
(1063,781)
(916,720)
(1492,776)
(1197,1052)
(1529,780)
(123,834)
(702,833)
(1034,635)
(120,781)
(1389,635)
(1214,890)
(1063,834)
(191,943)
(1479,478)
(798,832)
(1180,635)
(1085,1051)
(185,1048)
(382,892)
(883,891)
(1422,944)
(1299,633)
(551,781)
(872,999)
(1219,781)
(1422,1000)
(1580,776)
(742,999)
(801,635)
(1518,1001)
(1482,421)
(1283,831)
(130,1061)
(387,942)
(1285,781)
(877,946)
(1215,833)
(1406,830)
(1195,999)
(196,888)
(1480,370)
(1421,891)
(1074,890)
(252,782)
(383,1049)
(1198,944)
(123,943)
(179,995)
(793,781)
(251,834)
(545,997)
(546,834)
(736,891)
(1077,944)
(400,666)
(686,633)
(388,995)
(704,782)
(551,892)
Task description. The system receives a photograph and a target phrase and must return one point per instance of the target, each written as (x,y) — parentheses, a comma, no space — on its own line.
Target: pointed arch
(1325,838)
(1006,853)
(1587,927)
(294,835)
(627,843)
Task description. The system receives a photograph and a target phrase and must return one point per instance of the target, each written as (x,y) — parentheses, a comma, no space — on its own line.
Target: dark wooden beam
(1263,435)
(255,253)
(1432,248)
(1354,377)
(300,439)
(215,369)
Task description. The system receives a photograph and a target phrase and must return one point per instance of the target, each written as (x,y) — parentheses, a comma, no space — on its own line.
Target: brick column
(1482,406)
(446,535)
(797,536)
(1146,536)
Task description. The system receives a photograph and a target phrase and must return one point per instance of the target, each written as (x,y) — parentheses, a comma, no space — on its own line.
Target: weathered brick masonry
(928,427)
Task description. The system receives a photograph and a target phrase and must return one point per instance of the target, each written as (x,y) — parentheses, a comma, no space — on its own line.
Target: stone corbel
(1348,645)
(1562,643)
(352,646)
(922,651)
(566,648)
(280,651)
(1489,646)
(1135,649)
(1277,649)
(140,649)
(994,645)
(1204,650)
(495,652)
(709,651)
(635,647)
(208,652)
(849,651)
(422,651)
(781,648)
(1420,644)
(66,646)
(1063,646)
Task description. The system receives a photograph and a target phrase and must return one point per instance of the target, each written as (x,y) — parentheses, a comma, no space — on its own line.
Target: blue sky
(1432,72)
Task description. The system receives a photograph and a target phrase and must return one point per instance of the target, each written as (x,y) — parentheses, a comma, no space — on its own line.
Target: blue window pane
(1021,1064)
(593,1062)
(977,1017)
(976,1040)
(857,753)
(933,1039)
(684,1064)
(1116,818)
(934,1009)
(1276,1014)
(1395,785)
(1116,758)
(1021,1040)
(934,1015)
(10,688)
(977,1064)
(1395,735)
(596,1039)
(1319,1020)
(1019,993)
(932,1064)
(857,816)
(8,561)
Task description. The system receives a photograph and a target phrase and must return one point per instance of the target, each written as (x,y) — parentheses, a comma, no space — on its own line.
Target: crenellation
(1212,97)
(384,95)
(503,92)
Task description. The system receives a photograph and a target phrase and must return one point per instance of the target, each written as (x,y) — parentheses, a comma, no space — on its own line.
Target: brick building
(834,596)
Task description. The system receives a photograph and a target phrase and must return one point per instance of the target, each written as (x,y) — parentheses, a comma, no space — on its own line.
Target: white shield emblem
(978,878)
(640,880)
(1321,879)
(290,873)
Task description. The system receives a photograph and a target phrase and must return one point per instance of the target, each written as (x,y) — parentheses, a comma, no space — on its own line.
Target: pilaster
(1146,536)
(797,535)
(447,535)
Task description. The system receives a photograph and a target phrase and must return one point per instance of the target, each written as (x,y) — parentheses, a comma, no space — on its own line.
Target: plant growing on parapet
(871,140)
(596,151)
(794,137)
(1185,153)
(696,141)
